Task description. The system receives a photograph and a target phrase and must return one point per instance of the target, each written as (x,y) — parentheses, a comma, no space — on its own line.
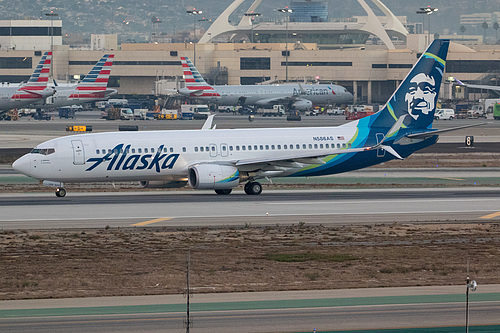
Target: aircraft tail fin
(98,78)
(195,83)
(40,77)
(417,95)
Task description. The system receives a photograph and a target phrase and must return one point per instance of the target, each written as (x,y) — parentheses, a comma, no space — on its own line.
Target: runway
(294,311)
(203,208)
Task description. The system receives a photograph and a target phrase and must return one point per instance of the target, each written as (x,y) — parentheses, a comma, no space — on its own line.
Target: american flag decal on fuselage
(194,81)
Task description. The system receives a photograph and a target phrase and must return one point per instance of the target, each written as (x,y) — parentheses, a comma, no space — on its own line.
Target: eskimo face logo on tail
(120,159)
(421,95)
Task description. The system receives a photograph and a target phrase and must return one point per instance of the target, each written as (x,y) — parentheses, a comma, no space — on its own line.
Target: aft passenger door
(78,152)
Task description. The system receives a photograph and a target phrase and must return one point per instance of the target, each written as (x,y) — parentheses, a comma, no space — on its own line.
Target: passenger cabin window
(133,150)
(237,148)
(201,149)
(255,147)
(243,147)
(165,149)
(297,146)
(196,149)
(152,150)
(103,151)
(145,150)
(249,147)
(139,150)
(97,151)
(171,149)
(183,149)
(304,146)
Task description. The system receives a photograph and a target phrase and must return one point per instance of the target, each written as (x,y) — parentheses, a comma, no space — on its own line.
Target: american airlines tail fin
(96,81)
(40,77)
(195,83)
(416,97)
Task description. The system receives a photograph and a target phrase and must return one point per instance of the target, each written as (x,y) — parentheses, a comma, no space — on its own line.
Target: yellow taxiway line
(140,224)
(490,216)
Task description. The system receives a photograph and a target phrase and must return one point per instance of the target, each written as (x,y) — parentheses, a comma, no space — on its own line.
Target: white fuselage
(80,158)
(12,98)
(69,95)
(268,95)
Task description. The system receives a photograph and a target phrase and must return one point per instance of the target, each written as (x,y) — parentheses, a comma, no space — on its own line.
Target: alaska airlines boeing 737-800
(35,90)
(298,96)
(221,159)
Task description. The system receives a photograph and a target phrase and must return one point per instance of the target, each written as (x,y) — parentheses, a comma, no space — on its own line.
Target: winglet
(208,123)
(460,83)
(302,90)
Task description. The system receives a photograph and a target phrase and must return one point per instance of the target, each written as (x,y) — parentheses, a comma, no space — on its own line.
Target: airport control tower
(309,11)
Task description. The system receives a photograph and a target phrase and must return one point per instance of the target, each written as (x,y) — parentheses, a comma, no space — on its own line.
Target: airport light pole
(51,15)
(287,11)
(252,16)
(194,12)
(428,11)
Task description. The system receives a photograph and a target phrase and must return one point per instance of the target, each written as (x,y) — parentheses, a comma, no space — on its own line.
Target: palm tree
(496,26)
(485,26)
(462,30)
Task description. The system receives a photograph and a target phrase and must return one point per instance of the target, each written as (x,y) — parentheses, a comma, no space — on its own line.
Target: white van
(444,114)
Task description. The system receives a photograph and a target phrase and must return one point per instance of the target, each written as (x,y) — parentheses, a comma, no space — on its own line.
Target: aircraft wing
(277,100)
(317,157)
(476,86)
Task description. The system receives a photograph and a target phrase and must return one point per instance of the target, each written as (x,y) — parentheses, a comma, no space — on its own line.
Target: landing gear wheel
(224,191)
(253,188)
(60,192)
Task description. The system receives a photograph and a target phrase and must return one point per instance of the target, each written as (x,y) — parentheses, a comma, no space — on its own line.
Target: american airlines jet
(299,96)
(94,87)
(35,90)
(221,159)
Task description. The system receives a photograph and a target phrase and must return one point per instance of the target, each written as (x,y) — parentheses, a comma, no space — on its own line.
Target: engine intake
(213,177)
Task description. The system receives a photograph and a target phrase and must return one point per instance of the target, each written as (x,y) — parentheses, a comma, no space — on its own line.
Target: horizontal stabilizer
(437,132)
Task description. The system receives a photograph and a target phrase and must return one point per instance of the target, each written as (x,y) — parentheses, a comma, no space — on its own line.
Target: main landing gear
(253,188)
(60,192)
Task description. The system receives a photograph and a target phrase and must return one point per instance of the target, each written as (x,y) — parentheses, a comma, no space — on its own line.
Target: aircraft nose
(23,165)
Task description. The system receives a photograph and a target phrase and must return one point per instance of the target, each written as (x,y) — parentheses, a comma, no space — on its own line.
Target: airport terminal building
(371,72)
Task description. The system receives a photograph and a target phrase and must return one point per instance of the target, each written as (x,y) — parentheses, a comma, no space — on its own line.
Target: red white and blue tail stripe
(40,77)
(194,81)
(95,83)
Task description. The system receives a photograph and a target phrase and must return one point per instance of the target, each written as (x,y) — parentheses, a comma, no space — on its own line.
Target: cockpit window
(45,151)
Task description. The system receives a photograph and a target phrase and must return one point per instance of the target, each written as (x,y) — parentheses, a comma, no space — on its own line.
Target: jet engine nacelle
(162,184)
(213,177)
(302,105)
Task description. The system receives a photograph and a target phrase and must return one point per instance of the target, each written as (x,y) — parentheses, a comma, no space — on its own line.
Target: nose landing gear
(60,192)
